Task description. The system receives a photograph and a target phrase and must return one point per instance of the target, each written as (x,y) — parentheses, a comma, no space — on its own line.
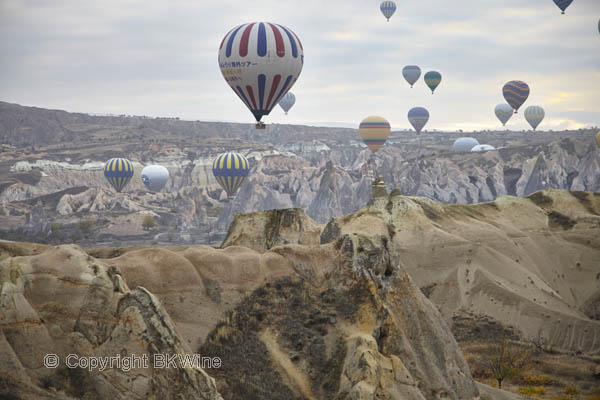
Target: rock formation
(63,302)
(530,263)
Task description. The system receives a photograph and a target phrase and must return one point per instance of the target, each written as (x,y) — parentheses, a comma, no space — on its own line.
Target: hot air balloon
(155,177)
(534,115)
(482,147)
(118,171)
(374,131)
(563,4)
(418,117)
(464,144)
(230,170)
(388,8)
(432,79)
(503,112)
(287,102)
(411,73)
(515,93)
(261,61)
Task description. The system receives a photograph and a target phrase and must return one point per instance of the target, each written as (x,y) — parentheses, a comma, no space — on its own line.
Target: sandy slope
(533,263)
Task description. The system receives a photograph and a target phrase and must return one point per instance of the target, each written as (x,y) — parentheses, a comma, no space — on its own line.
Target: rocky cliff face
(295,320)
(355,327)
(530,263)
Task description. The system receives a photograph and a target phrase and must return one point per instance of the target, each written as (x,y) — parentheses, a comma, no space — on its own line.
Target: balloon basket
(260,125)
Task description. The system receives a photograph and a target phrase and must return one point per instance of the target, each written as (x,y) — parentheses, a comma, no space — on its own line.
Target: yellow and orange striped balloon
(374,131)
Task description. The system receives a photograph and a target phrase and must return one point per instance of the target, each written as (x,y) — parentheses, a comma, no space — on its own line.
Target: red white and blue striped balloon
(261,61)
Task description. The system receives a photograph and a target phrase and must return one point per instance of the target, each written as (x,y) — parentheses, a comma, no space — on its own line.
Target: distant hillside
(56,179)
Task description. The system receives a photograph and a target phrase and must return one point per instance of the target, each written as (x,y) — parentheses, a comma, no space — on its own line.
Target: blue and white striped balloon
(388,8)
(534,115)
(287,102)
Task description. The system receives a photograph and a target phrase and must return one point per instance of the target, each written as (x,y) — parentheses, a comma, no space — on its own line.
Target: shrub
(532,391)
(538,380)
(571,390)
(148,222)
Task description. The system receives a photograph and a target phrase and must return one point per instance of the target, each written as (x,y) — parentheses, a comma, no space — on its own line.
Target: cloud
(160,58)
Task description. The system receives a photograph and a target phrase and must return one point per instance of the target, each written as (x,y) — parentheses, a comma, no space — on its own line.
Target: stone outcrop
(63,302)
(354,327)
(531,264)
(262,231)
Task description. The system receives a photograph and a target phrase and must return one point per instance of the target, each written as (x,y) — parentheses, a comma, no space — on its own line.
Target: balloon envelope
(287,101)
(418,117)
(388,8)
(432,79)
(261,61)
(118,171)
(155,177)
(374,131)
(503,112)
(483,147)
(515,93)
(464,144)
(230,170)
(563,4)
(534,115)
(411,73)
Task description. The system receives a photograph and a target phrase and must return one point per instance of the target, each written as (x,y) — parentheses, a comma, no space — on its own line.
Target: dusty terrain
(365,307)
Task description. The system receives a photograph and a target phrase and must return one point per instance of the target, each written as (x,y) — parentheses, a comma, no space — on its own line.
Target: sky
(159,58)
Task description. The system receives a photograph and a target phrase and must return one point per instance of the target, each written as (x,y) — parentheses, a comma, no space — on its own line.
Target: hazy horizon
(158,60)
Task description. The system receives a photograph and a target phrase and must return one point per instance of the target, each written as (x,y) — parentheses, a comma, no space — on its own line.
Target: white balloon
(464,144)
(155,177)
(483,147)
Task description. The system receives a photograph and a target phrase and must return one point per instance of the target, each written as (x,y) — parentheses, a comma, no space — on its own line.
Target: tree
(148,222)
(507,360)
